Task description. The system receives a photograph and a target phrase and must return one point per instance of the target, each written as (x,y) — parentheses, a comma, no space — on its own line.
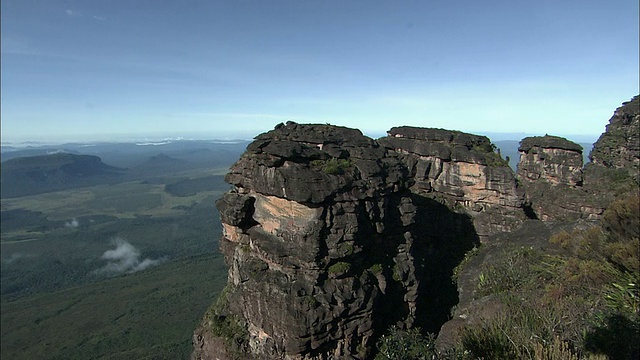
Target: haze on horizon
(84,71)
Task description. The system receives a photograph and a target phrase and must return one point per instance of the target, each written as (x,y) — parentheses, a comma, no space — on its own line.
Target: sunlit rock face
(550,171)
(462,171)
(619,145)
(559,187)
(331,237)
(553,159)
(327,246)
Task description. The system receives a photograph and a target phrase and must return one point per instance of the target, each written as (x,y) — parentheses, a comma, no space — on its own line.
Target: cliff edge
(332,237)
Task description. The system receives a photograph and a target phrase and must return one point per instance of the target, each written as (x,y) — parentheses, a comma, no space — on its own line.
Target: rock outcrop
(460,170)
(560,192)
(327,247)
(619,145)
(550,172)
(559,187)
(332,237)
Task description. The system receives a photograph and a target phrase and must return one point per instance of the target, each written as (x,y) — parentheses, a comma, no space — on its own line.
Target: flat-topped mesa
(619,145)
(551,159)
(460,170)
(312,164)
(550,172)
(318,218)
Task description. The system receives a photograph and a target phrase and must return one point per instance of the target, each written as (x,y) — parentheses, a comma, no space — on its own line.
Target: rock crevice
(331,237)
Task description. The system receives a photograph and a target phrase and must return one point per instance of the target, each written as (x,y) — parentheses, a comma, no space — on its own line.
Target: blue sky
(97,70)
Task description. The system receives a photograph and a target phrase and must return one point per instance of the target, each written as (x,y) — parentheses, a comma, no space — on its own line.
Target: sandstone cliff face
(460,170)
(560,192)
(556,184)
(619,145)
(550,172)
(331,237)
(327,247)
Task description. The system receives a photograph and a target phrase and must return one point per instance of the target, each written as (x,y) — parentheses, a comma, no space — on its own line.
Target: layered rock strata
(559,187)
(332,237)
(462,171)
(327,247)
(550,172)
(619,145)
(562,193)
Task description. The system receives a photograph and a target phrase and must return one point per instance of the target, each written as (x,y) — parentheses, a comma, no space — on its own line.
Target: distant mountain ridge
(44,173)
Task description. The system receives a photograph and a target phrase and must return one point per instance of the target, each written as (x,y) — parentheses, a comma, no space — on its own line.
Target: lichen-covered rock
(463,171)
(556,184)
(327,248)
(550,171)
(619,145)
(332,237)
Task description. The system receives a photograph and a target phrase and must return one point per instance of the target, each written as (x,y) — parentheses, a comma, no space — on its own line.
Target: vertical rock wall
(550,172)
(331,237)
(327,247)
(462,171)
(619,146)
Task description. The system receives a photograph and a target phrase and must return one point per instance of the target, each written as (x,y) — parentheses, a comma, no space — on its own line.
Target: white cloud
(125,258)
(72,13)
(72,224)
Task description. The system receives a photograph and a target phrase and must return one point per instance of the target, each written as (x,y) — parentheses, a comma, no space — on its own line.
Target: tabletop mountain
(332,238)
(39,174)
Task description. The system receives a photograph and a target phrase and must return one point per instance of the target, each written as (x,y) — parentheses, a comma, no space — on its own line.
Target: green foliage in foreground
(145,315)
(579,301)
(225,325)
(405,344)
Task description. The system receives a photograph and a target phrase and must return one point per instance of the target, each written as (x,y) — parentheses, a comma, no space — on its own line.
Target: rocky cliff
(462,171)
(619,145)
(332,237)
(557,184)
(550,172)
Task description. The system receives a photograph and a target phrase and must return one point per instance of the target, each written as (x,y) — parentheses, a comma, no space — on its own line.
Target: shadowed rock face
(556,184)
(619,145)
(327,247)
(462,171)
(331,237)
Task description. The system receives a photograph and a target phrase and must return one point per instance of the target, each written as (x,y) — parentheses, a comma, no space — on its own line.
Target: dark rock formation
(332,237)
(327,247)
(462,171)
(550,171)
(619,146)
(562,193)
(556,184)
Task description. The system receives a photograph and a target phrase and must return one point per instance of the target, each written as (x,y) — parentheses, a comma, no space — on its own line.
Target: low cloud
(72,224)
(125,258)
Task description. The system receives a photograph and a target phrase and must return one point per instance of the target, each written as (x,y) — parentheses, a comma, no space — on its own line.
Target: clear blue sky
(95,70)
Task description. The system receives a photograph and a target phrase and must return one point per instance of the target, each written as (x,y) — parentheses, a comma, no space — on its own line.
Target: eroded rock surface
(327,247)
(560,192)
(559,187)
(550,172)
(460,170)
(332,237)
(619,145)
